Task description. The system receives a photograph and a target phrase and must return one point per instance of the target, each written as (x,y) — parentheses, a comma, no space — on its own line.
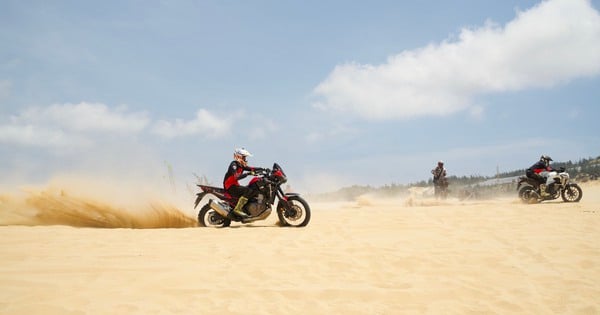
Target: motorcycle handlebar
(264,171)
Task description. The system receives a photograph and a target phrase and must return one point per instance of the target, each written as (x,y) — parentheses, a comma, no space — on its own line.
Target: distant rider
(439,174)
(542,172)
(235,172)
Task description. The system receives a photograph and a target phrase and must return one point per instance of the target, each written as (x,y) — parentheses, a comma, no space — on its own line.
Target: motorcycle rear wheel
(208,217)
(527,194)
(572,193)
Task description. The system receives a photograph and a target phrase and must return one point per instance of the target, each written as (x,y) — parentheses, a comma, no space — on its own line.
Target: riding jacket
(235,172)
(539,167)
(438,173)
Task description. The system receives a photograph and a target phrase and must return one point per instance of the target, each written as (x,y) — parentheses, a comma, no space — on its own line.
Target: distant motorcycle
(440,188)
(529,189)
(292,210)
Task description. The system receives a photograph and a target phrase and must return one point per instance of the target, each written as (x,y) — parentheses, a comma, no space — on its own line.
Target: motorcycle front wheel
(208,217)
(572,193)
(296,214)
(440,192)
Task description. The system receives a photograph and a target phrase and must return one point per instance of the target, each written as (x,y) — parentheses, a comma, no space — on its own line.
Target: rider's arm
(253,169)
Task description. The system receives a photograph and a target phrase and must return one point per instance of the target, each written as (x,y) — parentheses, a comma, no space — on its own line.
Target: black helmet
(546,159)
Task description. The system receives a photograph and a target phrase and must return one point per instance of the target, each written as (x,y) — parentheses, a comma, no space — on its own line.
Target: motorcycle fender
(287,195)
(199,197)
(522,184)
(570,185)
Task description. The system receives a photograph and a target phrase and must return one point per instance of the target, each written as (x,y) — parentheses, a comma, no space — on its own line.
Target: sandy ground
(365,257)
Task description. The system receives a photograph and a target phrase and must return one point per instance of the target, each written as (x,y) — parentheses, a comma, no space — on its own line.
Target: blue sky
(339,93)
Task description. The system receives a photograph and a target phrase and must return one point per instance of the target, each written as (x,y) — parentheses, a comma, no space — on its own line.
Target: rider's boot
(239,206)
(543,190)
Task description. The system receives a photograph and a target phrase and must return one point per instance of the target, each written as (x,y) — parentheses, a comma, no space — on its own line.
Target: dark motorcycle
(292,210)
(440,188)
(529,189)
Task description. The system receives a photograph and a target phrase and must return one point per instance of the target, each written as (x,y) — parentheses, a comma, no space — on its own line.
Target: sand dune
(65,254)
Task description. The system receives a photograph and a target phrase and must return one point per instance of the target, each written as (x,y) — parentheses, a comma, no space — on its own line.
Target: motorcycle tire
(527,194)
(297,215)
(208,217)
(572,193)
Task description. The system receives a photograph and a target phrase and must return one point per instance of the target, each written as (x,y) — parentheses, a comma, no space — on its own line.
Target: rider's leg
(543,190)
(240,205)
(242,192)
(543,187)
(549,180)
(249,193)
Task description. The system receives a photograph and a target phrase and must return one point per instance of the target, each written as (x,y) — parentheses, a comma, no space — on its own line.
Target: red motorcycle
(292,210)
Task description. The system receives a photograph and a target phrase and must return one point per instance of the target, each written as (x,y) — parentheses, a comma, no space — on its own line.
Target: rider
(235,172)
(543,173)
(439,173)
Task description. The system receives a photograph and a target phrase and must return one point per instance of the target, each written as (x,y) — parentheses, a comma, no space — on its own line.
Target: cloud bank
(205,123)
(80,125)
(552,43)
(86,117)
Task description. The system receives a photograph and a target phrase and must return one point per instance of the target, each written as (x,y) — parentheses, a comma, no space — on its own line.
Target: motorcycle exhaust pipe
(221,207)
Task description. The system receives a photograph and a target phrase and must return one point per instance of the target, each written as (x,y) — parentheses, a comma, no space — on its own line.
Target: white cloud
(552,43)
(36,136)
(87,117)
(68,125)
(205,124)
(80,125)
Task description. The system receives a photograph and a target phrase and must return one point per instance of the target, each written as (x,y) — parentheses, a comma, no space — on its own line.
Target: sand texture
(60,254)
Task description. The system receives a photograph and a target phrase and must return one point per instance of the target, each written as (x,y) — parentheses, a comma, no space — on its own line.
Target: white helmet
(240,155)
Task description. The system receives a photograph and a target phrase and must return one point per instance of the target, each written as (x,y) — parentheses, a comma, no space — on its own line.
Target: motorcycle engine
(255,208)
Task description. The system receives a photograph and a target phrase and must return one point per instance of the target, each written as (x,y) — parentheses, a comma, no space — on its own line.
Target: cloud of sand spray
(415,197)
(82,203)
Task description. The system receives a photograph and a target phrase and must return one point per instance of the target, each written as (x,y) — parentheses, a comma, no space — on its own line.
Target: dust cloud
(85,203)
